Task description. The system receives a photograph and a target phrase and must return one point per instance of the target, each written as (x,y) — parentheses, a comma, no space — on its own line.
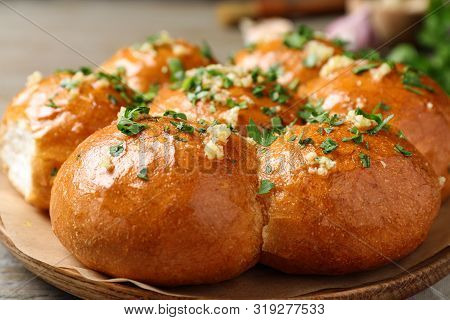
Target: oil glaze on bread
(158,60)
(340,207)
(139,201)
(420,107)
(47,120)
(159,208)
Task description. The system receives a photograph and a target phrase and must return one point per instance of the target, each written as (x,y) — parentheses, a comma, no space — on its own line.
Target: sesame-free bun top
(154,207)
(228,94)
(299,54)
(421,111)
(57,112)
(343,208)
(157,60)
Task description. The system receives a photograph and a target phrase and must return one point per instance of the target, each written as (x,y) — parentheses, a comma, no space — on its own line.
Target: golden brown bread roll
(48,119)
(165,206)
(158,60)
(170,202)
(299,55)
(421,108)
(338,207)
(228,94)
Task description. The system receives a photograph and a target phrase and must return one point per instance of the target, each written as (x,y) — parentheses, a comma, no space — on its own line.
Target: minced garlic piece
(429,105)
(310,157)
(101,83)
(378,73)
(321,51)
(216,133)
(231,116)
(219,132)
(324,164)
(441,180)
(180,49)
(213,151)
(359,121)
(34,78)
(334,63)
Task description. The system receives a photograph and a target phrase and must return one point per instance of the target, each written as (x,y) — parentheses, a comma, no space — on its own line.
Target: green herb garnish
(402,150)
(328,145)
(365,160)
(364,68)
(143,174)
(297,39)
(265,186)
(116,150)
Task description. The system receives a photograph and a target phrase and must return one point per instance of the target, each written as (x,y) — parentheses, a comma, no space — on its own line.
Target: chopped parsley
(401,135)
(183,126)
(175,115)
(265,137)
(268,169)
(356,138)
(206,51)
(116,150)
(265,186)
(297,39)
(279,94)
(112,99)
(143,174)
(52,104)
(378,118)
(411,78)
(269,111)
(149,95)
(126,123)
(364,68)
(176,69)
(69,84)
(365,160)
(54,172)
(258,91)
(328,145)
(381,106)
(402,150)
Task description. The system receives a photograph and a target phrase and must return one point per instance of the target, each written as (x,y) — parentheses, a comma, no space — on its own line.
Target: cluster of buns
(300,156)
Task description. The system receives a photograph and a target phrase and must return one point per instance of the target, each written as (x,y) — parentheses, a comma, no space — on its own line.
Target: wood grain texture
(399,287)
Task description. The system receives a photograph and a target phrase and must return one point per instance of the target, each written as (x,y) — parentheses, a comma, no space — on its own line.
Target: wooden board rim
(399,287)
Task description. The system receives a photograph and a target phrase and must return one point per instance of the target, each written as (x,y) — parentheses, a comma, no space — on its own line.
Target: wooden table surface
(47,35)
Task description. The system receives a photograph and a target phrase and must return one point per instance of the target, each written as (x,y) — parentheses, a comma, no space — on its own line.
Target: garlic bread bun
(299,55)
(421,108)
(173,204)
(46,121)
(158,60)
(228,94)
(343,200)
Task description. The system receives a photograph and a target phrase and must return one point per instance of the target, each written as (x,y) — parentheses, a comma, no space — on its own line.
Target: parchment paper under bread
(30,231)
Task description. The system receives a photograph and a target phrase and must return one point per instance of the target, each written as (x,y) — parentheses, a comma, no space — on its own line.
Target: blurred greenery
(432,55)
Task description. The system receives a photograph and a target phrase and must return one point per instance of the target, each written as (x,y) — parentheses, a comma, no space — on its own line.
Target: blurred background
(46,35)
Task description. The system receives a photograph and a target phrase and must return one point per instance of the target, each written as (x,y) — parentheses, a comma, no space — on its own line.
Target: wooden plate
(399,287)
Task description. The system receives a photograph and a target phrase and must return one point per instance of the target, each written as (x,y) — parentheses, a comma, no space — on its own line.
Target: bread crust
(423,118)
(58,130)
(194,221)
(352,218)
(147,67)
